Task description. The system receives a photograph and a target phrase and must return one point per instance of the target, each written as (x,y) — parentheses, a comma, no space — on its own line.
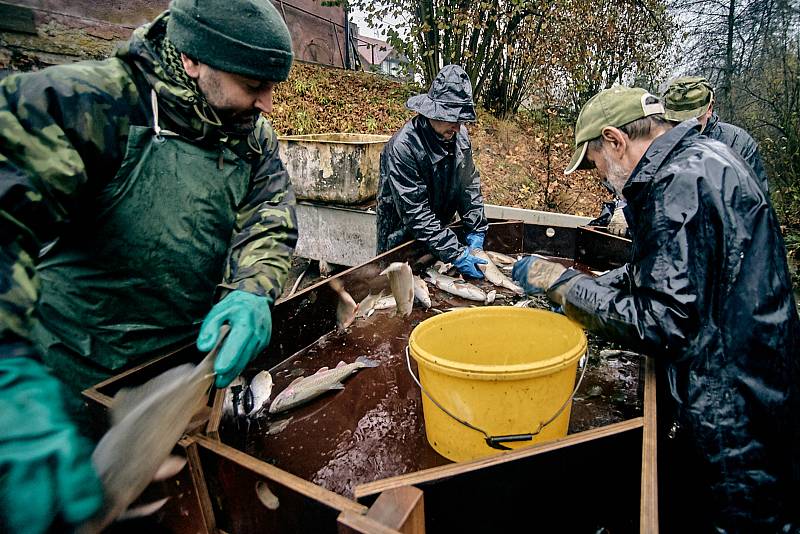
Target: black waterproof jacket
(741,142)
(424,182)
(707,292)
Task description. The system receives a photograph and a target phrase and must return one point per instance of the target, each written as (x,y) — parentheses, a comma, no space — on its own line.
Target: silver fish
(493,274)
(147,422)
(421,292)
(401,280)
(455,286)
(346,307)
(367,304)
(306,388)
(499,258)
(260,389)
(233,404)
(384,303)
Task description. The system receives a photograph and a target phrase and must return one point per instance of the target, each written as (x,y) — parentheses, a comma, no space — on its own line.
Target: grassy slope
(511,155)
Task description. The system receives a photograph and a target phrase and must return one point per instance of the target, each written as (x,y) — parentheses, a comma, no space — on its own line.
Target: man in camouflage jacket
(134,193)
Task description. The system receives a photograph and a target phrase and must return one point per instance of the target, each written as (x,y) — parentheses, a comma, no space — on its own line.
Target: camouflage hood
(179,98)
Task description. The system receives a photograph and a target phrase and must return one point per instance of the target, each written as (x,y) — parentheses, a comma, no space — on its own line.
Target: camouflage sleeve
(55,132)
(266,228)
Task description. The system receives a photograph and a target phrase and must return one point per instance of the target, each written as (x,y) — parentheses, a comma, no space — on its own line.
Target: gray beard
(616,174)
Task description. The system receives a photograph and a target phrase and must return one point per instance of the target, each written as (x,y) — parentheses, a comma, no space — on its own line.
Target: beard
(235,122)
(616,174)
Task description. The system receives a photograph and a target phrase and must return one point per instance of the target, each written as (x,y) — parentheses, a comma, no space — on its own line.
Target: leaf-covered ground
(517,169)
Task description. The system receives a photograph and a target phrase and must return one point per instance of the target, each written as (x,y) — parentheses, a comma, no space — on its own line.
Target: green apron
(135,273)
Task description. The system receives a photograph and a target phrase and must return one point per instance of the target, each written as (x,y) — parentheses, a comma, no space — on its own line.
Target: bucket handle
(496,442)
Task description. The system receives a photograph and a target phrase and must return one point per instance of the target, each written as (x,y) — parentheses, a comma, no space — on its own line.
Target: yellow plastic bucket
(495,378)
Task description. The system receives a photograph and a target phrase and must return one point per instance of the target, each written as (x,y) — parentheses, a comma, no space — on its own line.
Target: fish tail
(366,362)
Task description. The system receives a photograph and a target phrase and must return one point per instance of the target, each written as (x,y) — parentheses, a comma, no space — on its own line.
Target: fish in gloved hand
(537,275)
(304,389)
(493,274)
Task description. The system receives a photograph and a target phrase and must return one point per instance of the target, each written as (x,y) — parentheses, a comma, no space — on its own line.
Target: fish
(500,259)
(421,292)
(278,426)
(384,303)
(367,305)
(234,403)
(346,307)
(147,422)
(401,280)
(265,495)
(306,388)
(260,388)
(456,286)
(493,274)
(524,303)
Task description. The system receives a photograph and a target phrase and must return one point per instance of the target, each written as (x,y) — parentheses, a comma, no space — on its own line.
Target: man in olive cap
(692,97)
(707,293)
(428,175)
(158,184)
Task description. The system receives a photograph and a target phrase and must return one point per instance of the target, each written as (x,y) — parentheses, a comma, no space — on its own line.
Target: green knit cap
(246,37)
(687,97)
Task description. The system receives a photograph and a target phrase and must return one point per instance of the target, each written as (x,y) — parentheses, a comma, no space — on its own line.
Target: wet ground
(374,429)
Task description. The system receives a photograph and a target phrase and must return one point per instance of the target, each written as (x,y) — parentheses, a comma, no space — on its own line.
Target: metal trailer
(603,476)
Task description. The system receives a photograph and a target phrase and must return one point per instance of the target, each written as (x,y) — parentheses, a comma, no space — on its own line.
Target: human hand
(468,264)
(250,320)
(536,274)
(46,471)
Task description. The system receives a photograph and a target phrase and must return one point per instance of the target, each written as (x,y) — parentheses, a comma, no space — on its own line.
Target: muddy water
(374,429)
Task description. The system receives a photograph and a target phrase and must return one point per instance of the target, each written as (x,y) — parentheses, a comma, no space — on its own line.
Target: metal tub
(340,168)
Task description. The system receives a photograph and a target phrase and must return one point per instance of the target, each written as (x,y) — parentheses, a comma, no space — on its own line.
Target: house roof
(366,46)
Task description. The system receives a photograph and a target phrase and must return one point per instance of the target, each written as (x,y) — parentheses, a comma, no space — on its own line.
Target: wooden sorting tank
(601,475)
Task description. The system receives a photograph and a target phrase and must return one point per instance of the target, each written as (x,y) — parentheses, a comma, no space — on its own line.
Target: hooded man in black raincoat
(428,175)
(707,293)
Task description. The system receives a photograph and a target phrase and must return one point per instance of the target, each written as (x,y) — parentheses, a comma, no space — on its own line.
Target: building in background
(379,56)
(38,33)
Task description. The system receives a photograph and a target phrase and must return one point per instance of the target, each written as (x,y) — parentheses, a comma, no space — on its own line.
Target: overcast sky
(358,17)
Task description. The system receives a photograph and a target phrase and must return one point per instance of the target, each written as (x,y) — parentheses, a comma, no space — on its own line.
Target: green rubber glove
(250,320)
(46,471)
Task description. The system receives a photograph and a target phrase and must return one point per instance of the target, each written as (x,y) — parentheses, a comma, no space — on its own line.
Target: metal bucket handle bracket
(496,442)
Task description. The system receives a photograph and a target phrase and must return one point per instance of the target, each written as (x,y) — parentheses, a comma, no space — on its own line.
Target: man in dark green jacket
(135,193)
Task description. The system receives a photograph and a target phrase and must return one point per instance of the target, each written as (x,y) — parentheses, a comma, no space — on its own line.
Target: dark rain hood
(707,293)
(424,182)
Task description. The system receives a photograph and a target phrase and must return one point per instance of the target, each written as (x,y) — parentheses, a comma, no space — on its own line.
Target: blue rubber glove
(46,471)
(468,264)
(536,275)
(475,239)
(250,320)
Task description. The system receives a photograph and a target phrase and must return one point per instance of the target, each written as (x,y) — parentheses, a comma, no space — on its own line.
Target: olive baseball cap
(612,107)
(687,97)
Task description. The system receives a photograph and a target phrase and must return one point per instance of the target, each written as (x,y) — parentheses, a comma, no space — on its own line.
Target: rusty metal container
(340,168)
